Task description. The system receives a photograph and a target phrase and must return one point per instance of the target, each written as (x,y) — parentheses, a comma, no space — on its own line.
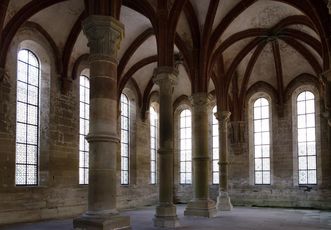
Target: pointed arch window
(125,140)
(154,143)
(215,159)
(185,147)
(27,119)
(261,121)
(306,138)
(84,116)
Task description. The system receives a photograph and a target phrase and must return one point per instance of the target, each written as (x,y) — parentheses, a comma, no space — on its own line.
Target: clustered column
(223,199)
(166,78)
(104,34)
(200,205)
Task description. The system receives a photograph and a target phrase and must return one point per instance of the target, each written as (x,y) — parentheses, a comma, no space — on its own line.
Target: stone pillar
(223,199)
(200,205)
(165,216)
(104,34)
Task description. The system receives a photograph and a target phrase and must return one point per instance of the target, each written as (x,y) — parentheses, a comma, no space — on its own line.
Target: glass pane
(258,177)
(309,95)
(265,125)
(33,115)
(257,113)
(310,106)
(258,151)
(22,71)
(303,177)
(303,163)
(20,133)
(266,164)
(301,121)
(23,55)
(265,138)
(311,148)
(266,151)
(33,77)
(311,120)
(33,60)
(311,162)
(311,134)
(266,177)
(32,135)
(33,95)
(312,179)
(22,92)
(258,164)
(301,108)
(265,112)
(20,153)
(302,135)
(302,149)
(257,126)
(257,139)
(32,154)
(20,174)
(21,112)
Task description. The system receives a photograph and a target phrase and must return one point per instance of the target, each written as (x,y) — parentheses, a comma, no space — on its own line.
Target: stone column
(200,205)
(165,216)
(223,199)
(104,34)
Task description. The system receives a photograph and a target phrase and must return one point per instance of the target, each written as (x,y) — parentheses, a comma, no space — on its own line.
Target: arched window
(261,123)
(125,126)
(27,118)
(185,147)
(154,143)
(306,138)
(84,116)
(216,168)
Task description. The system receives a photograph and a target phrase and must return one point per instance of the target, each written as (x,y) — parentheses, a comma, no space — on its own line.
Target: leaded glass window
(261,141)
(27,118)
(84,117)
(215,159)
(154,143)
(125,126)
(306,138)
(185,147)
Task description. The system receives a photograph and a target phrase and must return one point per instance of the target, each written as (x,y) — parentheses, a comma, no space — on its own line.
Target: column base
(166,216)
(107,222)
(224,202)
(204,208)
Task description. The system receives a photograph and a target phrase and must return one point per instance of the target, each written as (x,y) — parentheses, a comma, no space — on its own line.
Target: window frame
(185,182)
(251,101)
(84,152)
(295,95)
(122,171)
(154,148)
(27,124)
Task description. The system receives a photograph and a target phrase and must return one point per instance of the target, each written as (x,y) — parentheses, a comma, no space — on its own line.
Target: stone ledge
(114,222)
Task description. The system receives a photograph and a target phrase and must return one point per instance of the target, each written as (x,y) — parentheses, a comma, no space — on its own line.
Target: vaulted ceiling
(226,46)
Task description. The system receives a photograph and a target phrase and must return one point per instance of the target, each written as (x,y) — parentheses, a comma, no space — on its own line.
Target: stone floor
(239,219)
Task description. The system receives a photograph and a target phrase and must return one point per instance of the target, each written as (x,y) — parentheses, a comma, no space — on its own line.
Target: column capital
(329,6)
(200,99)
(104,34)
(165,75)
(223,116)
(3,76)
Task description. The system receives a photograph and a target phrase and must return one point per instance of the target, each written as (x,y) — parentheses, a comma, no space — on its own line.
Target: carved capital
(326,76)
(102,137)
(166,78)
(104,34)
(329,6)
(3,76)
(223,118)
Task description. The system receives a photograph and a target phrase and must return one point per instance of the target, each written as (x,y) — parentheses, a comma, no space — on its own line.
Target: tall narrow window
(27,118)
(125,124)
(215,134)
(261,141)
(185,147)
(84,116)
(306,138)
(154,141)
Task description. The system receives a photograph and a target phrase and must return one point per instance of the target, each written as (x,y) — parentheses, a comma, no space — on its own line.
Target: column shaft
(200,205)
(166,215)
(223,200)
(104,34)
